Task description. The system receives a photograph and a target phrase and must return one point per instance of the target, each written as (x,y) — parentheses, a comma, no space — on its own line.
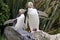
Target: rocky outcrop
(12,34)
(45,36)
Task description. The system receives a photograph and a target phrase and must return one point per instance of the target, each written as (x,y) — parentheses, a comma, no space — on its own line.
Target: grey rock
(12,34)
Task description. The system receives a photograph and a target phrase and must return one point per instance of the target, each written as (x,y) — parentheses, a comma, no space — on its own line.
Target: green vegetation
(4,12)
(50,7)
(4,15)
(16,5)
(2,37)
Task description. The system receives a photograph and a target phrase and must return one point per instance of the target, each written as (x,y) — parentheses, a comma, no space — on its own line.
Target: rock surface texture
(45,36)
(12,34)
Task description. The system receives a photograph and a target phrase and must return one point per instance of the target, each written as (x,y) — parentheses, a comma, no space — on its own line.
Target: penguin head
(22,11)
(30,5)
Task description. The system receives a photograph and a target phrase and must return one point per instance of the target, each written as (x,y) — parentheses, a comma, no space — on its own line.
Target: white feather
(20,22)
(33,18)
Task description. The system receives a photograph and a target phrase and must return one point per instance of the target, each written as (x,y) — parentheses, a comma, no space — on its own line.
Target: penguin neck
(30,8)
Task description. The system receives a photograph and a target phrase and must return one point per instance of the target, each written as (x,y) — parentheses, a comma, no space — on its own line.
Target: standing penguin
(20,20)
(33,17)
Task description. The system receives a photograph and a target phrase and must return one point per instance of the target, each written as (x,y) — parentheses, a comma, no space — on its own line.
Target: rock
(12,34)
(41,35)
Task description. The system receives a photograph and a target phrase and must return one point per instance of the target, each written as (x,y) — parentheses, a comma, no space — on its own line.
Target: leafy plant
(4,12)
(15,5)
(50,7)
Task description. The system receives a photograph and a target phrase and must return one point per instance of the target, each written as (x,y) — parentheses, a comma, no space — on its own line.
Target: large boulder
(41,35)
(12,34)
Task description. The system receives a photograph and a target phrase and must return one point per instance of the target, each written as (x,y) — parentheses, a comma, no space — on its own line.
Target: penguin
(33,17)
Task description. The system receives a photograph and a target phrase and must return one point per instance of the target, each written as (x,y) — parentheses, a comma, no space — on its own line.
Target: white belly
(20,22)
(33,19)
